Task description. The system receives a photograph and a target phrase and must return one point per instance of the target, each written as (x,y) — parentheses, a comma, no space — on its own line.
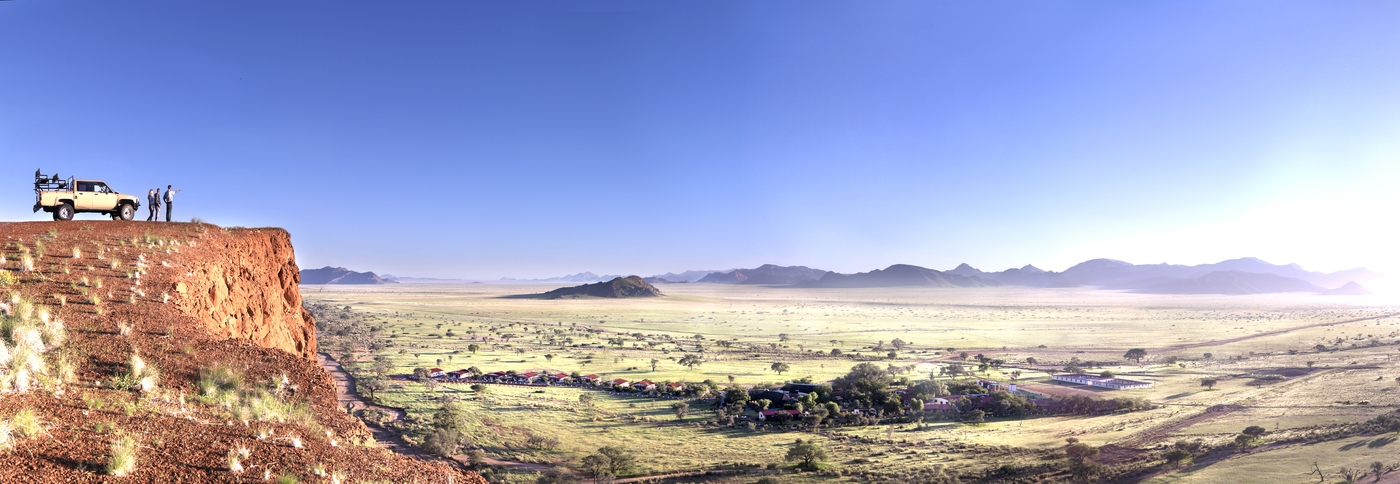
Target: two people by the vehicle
(154,201)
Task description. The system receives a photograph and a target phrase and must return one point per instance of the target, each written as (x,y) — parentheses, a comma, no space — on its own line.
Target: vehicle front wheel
(63,212)
(125,212)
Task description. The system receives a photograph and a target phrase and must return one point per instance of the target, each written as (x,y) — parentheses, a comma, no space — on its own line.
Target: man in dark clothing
(153,203)
(169,201)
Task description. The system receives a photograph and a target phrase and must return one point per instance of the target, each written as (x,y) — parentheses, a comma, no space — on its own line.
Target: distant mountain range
(687,276)
(766,274)
(580,277)
(341,275)
(1237,276)
(619,287)
(423,280)
(900,275)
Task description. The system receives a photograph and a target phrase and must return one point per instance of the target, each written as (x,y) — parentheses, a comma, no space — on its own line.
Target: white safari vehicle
(67,197)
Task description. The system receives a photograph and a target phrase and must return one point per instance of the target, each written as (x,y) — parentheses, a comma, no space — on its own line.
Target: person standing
(169,201)
(153,204)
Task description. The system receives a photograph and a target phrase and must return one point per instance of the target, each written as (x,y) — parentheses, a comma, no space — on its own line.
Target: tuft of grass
(7,440)
(123,460)
(139,376)
(116,263)
(94,403)
(77,252)
(234,465)
(124,329)
(288,478)
(97,283)
(62,300)
(26,424)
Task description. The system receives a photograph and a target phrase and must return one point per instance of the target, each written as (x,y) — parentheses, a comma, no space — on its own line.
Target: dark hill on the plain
(900,275)
(630,286)
(766,274)
(341,275)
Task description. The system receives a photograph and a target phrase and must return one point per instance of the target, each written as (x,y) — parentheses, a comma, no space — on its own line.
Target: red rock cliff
(251,291)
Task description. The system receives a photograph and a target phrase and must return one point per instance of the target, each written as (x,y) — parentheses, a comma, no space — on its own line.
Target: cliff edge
(171,352)
(250,290)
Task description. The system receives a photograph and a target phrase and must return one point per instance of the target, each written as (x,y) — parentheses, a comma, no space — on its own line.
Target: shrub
(7,278)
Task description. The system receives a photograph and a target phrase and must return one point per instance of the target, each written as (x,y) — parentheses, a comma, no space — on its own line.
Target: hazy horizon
(482,140)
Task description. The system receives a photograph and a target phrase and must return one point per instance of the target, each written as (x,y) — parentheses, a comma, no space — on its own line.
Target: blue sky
(530,139)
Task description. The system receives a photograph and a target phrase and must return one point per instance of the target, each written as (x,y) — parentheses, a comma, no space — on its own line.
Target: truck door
(84,196)
(103,198)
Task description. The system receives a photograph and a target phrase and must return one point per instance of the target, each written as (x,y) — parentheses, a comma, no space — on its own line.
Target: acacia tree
(681,408)
(1135,354)
(779,367)
(807,454)
(619,460)
(1209,383)
(691,361)
(654,361)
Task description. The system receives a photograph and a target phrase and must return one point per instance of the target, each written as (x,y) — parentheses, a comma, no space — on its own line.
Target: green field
(740,331)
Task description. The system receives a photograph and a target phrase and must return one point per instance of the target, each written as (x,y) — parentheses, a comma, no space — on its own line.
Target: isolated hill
(900,275)
(1349,289)
(1179,279)
(341,275)
(233,304)
(630,286)
(766,274)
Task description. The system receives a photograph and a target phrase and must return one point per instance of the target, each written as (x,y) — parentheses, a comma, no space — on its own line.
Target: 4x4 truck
(67,197)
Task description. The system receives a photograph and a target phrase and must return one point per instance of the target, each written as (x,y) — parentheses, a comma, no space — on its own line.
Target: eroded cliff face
(250,291)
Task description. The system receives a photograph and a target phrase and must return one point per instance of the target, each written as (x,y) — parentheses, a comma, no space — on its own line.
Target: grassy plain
(742,330)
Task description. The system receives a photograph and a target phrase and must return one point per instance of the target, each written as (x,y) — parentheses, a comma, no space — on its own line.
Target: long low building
(1101,381)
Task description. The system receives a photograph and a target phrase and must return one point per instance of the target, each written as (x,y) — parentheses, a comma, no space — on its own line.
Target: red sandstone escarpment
(250,291)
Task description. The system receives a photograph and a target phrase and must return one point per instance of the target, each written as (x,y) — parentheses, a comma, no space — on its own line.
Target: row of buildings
(551,378)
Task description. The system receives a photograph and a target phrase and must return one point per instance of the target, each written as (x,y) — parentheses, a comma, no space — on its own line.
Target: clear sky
(532,139)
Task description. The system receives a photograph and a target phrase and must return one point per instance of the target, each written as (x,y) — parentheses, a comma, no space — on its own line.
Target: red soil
(241,307)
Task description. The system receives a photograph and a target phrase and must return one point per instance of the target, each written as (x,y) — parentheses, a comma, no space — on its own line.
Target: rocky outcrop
(251,292)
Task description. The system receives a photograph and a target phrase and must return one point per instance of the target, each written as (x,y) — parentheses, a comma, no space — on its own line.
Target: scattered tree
(1209,383)
(1135,354)
(681,408)
(808,455)
(691,361)
(779,367)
